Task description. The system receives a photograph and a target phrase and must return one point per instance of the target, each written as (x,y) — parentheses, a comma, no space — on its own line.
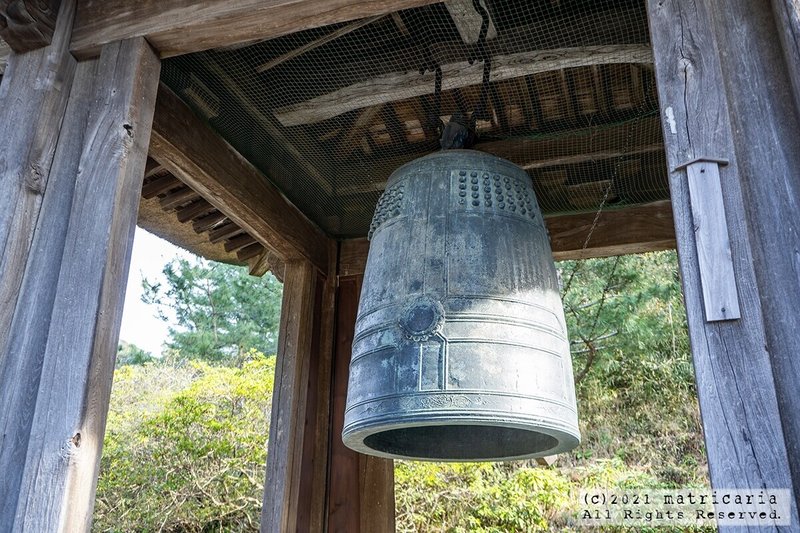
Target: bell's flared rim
(564,438)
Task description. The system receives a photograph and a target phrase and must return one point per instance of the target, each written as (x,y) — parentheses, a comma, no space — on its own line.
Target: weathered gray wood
(289,400)
(360,487)
(316,43)
(735,382)
(468,21)
(33,97)
(787,19)
(28,24)
(759,78)
(717,280)
(190,150)
(401,85)
(55,379)
(177,27)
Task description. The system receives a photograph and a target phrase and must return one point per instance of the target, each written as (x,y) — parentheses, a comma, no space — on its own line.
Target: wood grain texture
(56,377)
(759,78)
(735,382)
(28,24)
(717,280)
(361,488)
(468,21)
(787,19)
(33,97)
(177,27)
(190,150)
(398,86)
(314,476)
(632,230)
(344,501)
(289,399)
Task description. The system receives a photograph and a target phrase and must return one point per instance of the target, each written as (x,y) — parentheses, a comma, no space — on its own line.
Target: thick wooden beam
(361,490)
(402,85)
(632,230)
(765,120)
(289,399)
(55,378)
(28,24)
(190,150)
(33,97)
(176,27)
(735,380)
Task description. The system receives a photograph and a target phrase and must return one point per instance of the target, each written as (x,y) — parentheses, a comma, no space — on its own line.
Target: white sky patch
(140,325)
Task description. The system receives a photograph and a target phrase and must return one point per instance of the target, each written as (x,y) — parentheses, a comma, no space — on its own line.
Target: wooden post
(34,90)
(361,492)
(765,118)
(71,228)
(735,381)
(284,452)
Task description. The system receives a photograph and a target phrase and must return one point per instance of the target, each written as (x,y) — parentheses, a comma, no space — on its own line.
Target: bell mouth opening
(461,442)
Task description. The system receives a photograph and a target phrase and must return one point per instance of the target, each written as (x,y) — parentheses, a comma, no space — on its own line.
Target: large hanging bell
(460,350)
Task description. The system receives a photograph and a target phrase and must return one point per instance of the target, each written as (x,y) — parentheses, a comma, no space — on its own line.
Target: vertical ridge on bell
(460,298)
(431,365)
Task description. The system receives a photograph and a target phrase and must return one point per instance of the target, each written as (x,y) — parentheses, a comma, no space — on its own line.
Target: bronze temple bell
(460,350)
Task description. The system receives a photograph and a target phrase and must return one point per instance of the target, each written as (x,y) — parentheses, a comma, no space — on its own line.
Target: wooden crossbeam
(175,27)
(402,85)
(644,228)
(190,150)
(316,43)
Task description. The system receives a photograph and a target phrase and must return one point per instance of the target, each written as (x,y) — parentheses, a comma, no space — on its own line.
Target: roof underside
(327,114)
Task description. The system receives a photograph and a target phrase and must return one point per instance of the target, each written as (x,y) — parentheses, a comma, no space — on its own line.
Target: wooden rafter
(311,171)
(536,153)
(401,85)
(316,43)
(191,151)
(175,27)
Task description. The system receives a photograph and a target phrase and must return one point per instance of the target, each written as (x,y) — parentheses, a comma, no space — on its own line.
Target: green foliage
(185,448)
(185,445)
(130,354)
(221,312)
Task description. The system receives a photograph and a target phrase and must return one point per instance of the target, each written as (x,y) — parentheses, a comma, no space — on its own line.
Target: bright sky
(140,325)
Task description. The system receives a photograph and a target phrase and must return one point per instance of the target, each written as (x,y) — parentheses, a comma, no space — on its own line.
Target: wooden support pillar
(361,491)
(73,147)
(289,399)
(297,457)
(694,45)
(765,118)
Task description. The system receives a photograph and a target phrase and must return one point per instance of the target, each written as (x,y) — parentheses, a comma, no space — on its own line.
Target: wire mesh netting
(329,113)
